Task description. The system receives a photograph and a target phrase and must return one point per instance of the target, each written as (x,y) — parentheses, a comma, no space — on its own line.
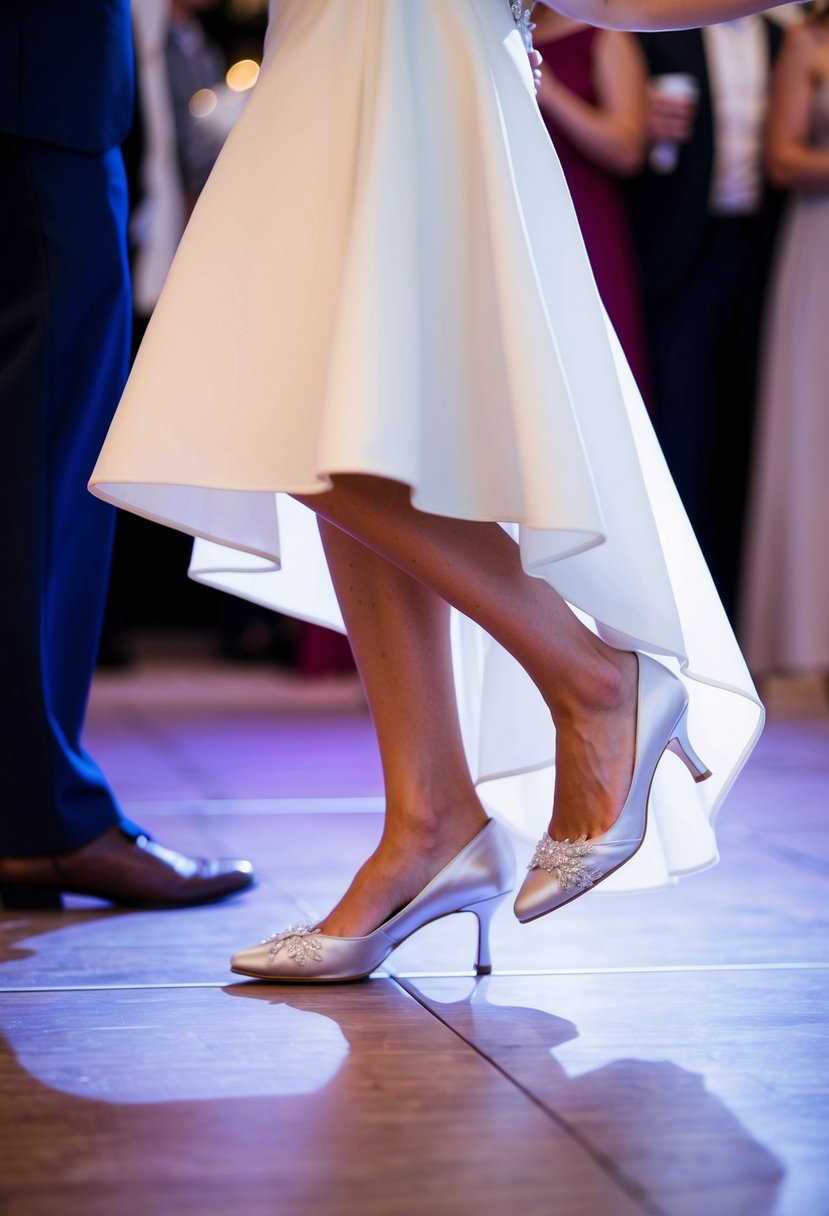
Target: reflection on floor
(654,1054)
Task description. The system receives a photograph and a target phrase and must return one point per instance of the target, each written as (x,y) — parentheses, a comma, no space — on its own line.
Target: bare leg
(399,631)
(589,687)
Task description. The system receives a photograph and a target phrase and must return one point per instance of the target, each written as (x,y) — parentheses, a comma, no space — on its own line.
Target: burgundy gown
(599,202)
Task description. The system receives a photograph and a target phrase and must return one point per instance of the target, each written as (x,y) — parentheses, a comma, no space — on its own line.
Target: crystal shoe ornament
(564,859)
(297,942)
(522,17)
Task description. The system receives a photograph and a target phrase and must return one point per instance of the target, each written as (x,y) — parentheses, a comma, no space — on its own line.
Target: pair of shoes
(133,871)
(560,870)
(476,880)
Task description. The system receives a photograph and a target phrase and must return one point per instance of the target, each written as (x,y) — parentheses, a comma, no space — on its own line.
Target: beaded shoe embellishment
(298,942)
(564,859)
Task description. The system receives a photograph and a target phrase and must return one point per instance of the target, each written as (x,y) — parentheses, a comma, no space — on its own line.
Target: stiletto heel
(680,745)
(484,913)
(476,880)
(561,870)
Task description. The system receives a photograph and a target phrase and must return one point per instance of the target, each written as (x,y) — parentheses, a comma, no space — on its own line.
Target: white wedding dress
(385,275)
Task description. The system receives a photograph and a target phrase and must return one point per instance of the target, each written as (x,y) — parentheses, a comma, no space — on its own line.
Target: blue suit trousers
(64,347)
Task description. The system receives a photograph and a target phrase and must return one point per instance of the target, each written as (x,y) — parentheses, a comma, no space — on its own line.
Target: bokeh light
(202,103)
(243,75)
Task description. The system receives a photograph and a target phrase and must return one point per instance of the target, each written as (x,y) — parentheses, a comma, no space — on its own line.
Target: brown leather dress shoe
(136,872)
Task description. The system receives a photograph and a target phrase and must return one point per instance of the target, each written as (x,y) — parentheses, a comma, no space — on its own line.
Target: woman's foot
(607,837)
(475,880)
(408,857)
(595,747)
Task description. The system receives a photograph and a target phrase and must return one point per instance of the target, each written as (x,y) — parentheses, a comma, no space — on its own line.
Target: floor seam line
(668,968)
(405,976)
(604,1163)
(17,991)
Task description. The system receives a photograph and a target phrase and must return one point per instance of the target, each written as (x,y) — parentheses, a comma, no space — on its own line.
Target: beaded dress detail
(523,19)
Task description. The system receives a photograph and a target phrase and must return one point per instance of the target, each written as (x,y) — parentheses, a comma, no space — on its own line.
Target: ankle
(605,685)
(426,827)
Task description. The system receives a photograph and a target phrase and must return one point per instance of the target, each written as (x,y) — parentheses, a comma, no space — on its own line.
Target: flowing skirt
(385,275)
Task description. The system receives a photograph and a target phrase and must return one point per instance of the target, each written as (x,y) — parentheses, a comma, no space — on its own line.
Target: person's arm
(792,163)
(647,15)
(612,132)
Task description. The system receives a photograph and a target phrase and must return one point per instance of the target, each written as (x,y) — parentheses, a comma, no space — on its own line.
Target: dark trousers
(703,344)
(64,346)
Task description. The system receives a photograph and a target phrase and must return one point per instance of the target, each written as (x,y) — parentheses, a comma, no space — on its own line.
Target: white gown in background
(385,275)
(785,592)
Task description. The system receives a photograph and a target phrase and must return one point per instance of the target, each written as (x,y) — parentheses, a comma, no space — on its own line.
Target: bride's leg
(589,687)
(399,631)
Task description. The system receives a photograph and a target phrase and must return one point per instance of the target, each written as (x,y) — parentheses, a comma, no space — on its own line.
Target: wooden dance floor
(654,1055)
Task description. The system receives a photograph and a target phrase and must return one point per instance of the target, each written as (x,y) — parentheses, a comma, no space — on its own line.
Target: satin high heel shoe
(477,880)
(561,871)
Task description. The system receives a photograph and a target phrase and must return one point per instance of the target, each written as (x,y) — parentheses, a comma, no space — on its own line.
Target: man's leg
(64,330)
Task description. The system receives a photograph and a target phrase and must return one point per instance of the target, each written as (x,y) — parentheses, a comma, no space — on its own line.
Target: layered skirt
(385,275)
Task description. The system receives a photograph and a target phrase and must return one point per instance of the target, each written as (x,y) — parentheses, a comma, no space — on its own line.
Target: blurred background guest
(704,222)
(157,215)
(785,602)
(196,62)
(158,210)
(592,98)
